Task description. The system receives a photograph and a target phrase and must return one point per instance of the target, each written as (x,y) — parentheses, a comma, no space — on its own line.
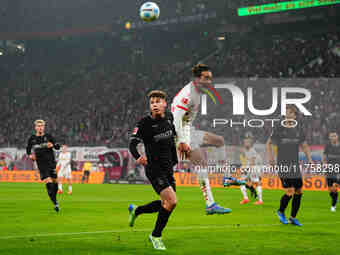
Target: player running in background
(185,107)
(331,157)
(42,145)
(87,168)
(251,164)
(157,132)
(64,169)
(288,139)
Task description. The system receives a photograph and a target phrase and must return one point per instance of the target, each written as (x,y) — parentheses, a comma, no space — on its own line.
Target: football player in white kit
(251,170)
(64,167)
(185,107)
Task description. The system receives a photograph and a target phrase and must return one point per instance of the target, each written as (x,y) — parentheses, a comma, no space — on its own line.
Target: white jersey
(64,160)
(184,108)
(249,155)
(255,170)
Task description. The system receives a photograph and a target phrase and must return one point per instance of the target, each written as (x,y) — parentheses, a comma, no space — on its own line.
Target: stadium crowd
(92,98)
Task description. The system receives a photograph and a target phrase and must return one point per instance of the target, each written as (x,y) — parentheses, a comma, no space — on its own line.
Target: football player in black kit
(42,145)
(157,132)
(331,157)
(288,138)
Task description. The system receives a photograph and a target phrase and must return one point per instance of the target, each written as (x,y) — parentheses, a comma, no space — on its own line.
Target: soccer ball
(149,11)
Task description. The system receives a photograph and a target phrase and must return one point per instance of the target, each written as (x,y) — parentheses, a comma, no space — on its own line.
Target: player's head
(248,140)
(39,126)
(157,101)
(64,148)
(202,74)
(333,137)
(291,112)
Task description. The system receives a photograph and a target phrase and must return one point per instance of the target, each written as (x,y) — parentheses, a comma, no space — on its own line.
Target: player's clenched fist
(142,160)
(32,157)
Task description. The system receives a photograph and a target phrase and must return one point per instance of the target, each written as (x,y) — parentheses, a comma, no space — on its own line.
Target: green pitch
(93,221)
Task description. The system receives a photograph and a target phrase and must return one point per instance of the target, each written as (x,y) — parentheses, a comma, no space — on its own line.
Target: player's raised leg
(134,210)
(200,165)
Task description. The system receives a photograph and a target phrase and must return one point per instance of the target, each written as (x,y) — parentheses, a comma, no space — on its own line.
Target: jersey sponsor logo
(40,146)
(289,140)
(162,136)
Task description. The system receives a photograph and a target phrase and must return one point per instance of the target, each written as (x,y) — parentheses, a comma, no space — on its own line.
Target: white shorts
(65,173)
(196,138)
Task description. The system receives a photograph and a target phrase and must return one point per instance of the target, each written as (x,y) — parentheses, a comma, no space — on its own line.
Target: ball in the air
(149,11)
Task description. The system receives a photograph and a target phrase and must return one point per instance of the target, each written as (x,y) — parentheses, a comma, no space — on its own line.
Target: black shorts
(47,172)
(290,175)
(161,181)
(296,183)
(86,173)
(331,180)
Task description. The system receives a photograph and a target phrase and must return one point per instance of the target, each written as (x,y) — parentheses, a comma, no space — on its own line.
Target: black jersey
(44,156)
(158,136)
(288,141)
(332,153)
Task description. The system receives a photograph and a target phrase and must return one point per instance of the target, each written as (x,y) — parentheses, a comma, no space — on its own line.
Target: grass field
(94,221)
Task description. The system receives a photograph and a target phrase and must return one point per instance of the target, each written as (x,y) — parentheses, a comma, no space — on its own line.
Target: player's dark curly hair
(199,68)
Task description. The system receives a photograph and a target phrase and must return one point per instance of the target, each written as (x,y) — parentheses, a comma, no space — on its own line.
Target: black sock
(152,207)
(55,191)
(162,220)
(50,191)
(334,196)
(296,204)
(284,202)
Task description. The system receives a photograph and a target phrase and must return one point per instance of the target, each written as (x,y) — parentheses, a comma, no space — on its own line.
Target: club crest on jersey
(185,100)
